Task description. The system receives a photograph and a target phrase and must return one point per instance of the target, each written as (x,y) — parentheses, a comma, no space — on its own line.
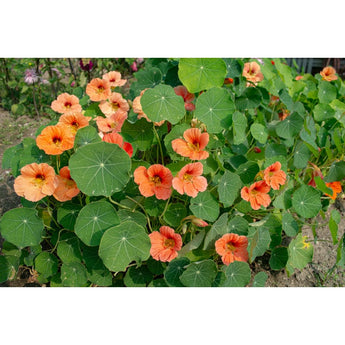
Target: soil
(319,273)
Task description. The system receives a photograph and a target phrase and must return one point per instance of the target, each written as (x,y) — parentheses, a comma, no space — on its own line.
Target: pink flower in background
(44,81)
(73,83)
(139,61)
(30,76)
(58,73)
(134,66)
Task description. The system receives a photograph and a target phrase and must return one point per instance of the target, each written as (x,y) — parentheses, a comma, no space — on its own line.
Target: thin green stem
(159,143)
(165,208)
(118,204)
(142,207)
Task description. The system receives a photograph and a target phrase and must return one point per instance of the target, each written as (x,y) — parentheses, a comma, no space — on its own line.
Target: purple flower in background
(73,83)
(134,66)
(86,64)
(30,76)
(44,81)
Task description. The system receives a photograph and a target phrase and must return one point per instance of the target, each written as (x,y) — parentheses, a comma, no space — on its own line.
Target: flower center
(115,106)
(100,89)
(195,146)
(169,243)
(68,105)
(155,179)
(187,177)
(39,179)
(230,246)
(57,140)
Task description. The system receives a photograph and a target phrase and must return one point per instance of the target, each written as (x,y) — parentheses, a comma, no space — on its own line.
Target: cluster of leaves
(101,236)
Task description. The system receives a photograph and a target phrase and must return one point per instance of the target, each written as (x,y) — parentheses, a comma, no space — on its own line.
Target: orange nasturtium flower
(328,74)
(139,110)
(232,247)
(36,181)
(66,103)
(336,187)
(54,140)
(98,89)
(252,72)
(74,121)
(115,104)
(66,188)
(114,79)
(112,123)
(274,176)
(283,114)
(193,144)
(116,138)
(189,180)
(299,77)
(156,180)
(187,97)
(257,195)
(165,244)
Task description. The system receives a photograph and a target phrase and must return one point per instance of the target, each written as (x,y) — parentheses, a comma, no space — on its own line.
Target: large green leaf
(174,270)
(146,78)
(239,127)
(22,227)
(238,225)
(260,279)
(136,217)
(86,135)
(289,224)
(162,103)
(100,168)
(7,269)
(250,99)
(174,214)
(93,220)
(300,252)
(323,112)
(259,132)
(301,156)
(73,274)
(138,277)
(67,215)
(46,264)
(205,206)
(306,201)
(279,258)
(327,92)
(291,126)
(199,274)
(139,133)
(218,229)
(69,250)
(237,274)
(336,172)
(228,188)
(123,244)
(199,74)
(258,241)
(234,67)
(214,108)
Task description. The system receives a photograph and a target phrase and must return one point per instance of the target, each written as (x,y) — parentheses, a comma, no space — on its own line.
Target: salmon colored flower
(98,89)
(328,74)
(189,180)
(196,221)
(193,144)
(139,110)
(112,123)
(36,181)
(165,244)
(74,121)
(66,188)
(252,72)
(156,180)
(187,97)
(116,138)
(257,195)
(274,176)
(54,140)
(232,247)
(336,187)
(115,104)
(66,103)
(299,77)
(114,79)
(283,114)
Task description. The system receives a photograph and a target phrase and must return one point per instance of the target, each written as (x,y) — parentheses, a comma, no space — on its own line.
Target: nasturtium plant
(191,175)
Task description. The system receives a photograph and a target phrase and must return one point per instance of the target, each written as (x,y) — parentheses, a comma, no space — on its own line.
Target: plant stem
(72,69)
(34,98)
(118,204)
(159,143)
(142,207)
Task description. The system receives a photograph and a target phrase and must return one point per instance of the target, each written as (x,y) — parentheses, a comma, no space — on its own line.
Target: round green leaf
(67,215)
(123,244)
(100,169)
(174,270)
(214,108)
(238,225)
(136,217)
(22,227)
(327,92)
(205,206)
(248,171)
(73,274)
(260,279)
(46,264)
(153,206)
(69,250)
(258,241)
(86,135)
(228,188)
(289,224)
(139,133)
(259,132)
(279,258)
(301,156)
(138,277)
(199,274)
(300,253)
(323,112)
(239,127)
(336,172)
(237,274)
(162,103)
(306,201)
(199,74)
(218,229)
(93,220)
(291,126)
(174,214)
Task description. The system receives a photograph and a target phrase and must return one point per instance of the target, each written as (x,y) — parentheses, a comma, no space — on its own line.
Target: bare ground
(320,273)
